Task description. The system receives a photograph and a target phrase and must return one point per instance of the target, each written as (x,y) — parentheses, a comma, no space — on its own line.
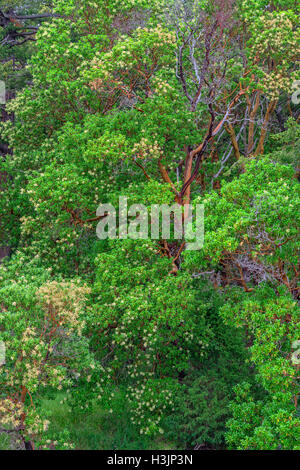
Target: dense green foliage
(160,102)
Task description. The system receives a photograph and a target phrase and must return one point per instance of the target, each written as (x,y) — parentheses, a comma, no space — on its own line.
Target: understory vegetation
(140,342)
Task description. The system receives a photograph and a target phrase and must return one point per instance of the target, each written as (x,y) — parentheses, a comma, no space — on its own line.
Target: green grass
(10,442)
(5,441)
(98,430)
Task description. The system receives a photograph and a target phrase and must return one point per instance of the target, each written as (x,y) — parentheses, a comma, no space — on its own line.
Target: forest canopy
(139,342)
